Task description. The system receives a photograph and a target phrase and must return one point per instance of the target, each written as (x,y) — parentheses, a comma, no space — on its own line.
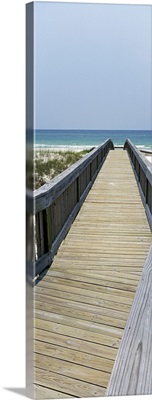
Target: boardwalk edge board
(131,374)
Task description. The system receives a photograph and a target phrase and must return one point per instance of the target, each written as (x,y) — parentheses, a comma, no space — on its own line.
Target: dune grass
(47,165)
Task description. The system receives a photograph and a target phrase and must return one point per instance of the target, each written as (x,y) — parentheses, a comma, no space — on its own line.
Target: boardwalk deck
(83,301)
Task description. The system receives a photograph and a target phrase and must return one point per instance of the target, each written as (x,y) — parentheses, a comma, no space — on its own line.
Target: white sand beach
(63,148)
(50,152)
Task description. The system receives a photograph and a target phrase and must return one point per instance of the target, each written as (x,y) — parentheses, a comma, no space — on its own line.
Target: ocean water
(70,138)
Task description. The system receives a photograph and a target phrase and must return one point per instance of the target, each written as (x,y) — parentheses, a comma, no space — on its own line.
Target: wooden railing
(143,172)
(132,371)
(58,202)
(29,236)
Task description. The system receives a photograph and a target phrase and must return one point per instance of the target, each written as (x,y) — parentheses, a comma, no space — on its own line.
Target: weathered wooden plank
(93,273)
(70,342)
(94,237)
(58,292)
(101,256)
(106,293)
(74,356)
(81,306)
(86,278)
(131,374)
(131,271)
(113,331)
(97,341)
(104,317)
(86,374)
(42,392)
(67,384)
(107,272)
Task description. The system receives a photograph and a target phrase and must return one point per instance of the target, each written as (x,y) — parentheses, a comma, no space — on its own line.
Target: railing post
(139,173)
(39,234)
(90,172)
(146,190)
(49,226)
(78,189)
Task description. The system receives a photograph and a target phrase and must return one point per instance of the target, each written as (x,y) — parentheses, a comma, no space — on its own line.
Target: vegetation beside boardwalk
(49,164)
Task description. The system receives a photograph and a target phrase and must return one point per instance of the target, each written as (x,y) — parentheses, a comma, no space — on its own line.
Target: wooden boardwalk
(83,301)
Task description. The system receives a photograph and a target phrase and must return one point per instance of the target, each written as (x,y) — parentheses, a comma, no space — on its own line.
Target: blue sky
(92,66)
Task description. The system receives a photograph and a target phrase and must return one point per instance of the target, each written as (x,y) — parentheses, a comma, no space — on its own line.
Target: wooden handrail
(58,202)
(131,374)
(143,173)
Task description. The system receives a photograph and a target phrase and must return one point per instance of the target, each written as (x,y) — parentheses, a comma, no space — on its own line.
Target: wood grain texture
(65,384)
(80,345)
(83,301)
(72,370)
(42,392)
(132,372)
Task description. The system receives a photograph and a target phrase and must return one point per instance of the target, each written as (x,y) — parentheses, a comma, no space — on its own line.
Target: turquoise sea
(70,138)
